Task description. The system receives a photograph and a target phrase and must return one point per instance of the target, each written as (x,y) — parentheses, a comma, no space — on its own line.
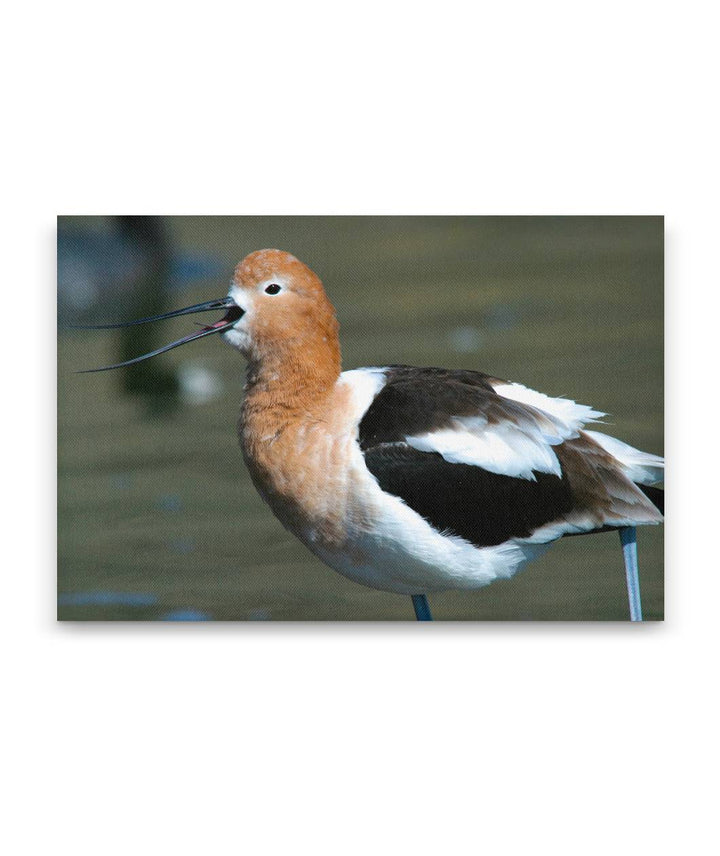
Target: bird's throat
(289,381)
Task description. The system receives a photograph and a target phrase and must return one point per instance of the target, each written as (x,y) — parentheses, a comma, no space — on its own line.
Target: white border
(506,739)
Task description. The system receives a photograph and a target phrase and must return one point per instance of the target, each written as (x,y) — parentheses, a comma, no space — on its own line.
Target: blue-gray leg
(628,539)
(422,607)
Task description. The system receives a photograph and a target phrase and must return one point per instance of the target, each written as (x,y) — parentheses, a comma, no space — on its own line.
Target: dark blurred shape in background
(151,379)
(121,268)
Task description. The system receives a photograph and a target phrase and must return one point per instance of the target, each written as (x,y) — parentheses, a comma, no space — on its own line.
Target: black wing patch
(482,507)
(419,400)
(656,495)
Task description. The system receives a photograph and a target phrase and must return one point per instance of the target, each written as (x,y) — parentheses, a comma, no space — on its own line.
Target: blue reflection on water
(187,615)
(169,502)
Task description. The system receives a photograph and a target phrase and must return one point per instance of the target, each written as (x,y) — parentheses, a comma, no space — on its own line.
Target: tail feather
(642,467)
(656,495)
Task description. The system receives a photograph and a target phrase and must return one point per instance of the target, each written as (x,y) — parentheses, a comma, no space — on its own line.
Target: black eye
(273,288)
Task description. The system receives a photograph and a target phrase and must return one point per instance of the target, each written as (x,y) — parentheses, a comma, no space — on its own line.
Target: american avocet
(412,480)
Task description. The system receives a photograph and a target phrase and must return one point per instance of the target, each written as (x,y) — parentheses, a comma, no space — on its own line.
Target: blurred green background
(157,517)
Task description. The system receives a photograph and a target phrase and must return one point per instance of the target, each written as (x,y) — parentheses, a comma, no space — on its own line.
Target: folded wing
(492,461)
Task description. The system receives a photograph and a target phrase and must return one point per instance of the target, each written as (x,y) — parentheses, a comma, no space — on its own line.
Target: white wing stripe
(572,414)
(506,449)
(514,448)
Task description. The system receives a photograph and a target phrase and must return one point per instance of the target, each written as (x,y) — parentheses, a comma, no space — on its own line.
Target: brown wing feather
(601,492)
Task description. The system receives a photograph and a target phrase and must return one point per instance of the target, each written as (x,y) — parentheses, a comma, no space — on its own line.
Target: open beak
(232,316)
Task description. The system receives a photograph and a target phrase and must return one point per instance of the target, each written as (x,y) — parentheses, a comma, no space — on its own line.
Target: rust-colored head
(286,313)
(277,315)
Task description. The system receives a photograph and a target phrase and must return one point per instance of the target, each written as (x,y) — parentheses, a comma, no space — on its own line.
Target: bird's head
(283,304)
(276,308)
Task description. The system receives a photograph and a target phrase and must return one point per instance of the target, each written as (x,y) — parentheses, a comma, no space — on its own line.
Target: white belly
(388,546)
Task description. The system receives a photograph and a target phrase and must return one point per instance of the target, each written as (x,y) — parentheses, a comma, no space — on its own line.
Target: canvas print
(360,418)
